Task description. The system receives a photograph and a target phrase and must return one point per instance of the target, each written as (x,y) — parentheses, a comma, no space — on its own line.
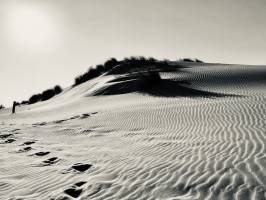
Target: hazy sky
(49,42)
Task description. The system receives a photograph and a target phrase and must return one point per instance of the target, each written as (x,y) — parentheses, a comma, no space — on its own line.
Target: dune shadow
(153,85)
(170,88)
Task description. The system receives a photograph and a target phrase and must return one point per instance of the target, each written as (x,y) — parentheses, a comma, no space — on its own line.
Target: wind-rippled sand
(141,146)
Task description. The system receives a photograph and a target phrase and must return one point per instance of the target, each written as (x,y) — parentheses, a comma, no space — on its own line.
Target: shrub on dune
(90,74)
(45,95)
(100,68)
(24,102)
(2,107)
(57,89)
(135,64)
(35,98)
(94,72)
(110,64)
(127,65)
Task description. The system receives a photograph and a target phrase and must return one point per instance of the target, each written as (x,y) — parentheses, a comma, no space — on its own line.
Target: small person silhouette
(14,107)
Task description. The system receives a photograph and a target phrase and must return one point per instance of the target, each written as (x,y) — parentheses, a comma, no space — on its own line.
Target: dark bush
(35,98)
(2,107)
(90,74)
(24,102)
(109,64)
(100,68)
(57,89)
(95,72)
(45,95)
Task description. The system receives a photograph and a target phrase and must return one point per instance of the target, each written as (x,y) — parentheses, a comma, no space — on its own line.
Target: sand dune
(199,133)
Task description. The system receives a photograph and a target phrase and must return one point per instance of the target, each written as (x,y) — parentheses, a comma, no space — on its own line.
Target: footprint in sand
(74,117)
(8,141)
(39,124)
(64,120)
(86,115)
(4,136)
(81,167)
(26,149)
(79,184)
(50,161)
(42,153)
(59,121)
(28,143)
(78,168)
(75,191)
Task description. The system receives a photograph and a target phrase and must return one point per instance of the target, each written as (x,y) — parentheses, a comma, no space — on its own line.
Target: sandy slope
(156,145)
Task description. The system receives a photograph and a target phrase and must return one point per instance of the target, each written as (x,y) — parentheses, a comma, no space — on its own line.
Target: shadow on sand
(170,88)
(155,86)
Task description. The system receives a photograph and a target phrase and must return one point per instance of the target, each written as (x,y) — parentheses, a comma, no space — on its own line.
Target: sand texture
(198,134)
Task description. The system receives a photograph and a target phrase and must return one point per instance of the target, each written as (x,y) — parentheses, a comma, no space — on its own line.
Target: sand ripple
(145,147)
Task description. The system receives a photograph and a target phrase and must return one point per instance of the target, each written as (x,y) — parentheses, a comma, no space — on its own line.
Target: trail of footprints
(82,116)
(74,190)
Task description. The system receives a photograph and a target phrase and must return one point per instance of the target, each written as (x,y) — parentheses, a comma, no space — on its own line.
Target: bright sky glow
(49,42)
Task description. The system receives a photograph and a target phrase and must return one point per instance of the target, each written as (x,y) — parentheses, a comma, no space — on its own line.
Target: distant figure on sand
(14,107)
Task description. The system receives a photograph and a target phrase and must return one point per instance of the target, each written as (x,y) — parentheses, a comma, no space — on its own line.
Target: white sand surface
(95,142)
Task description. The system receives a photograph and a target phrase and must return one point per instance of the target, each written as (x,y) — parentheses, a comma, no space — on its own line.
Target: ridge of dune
(197,134)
